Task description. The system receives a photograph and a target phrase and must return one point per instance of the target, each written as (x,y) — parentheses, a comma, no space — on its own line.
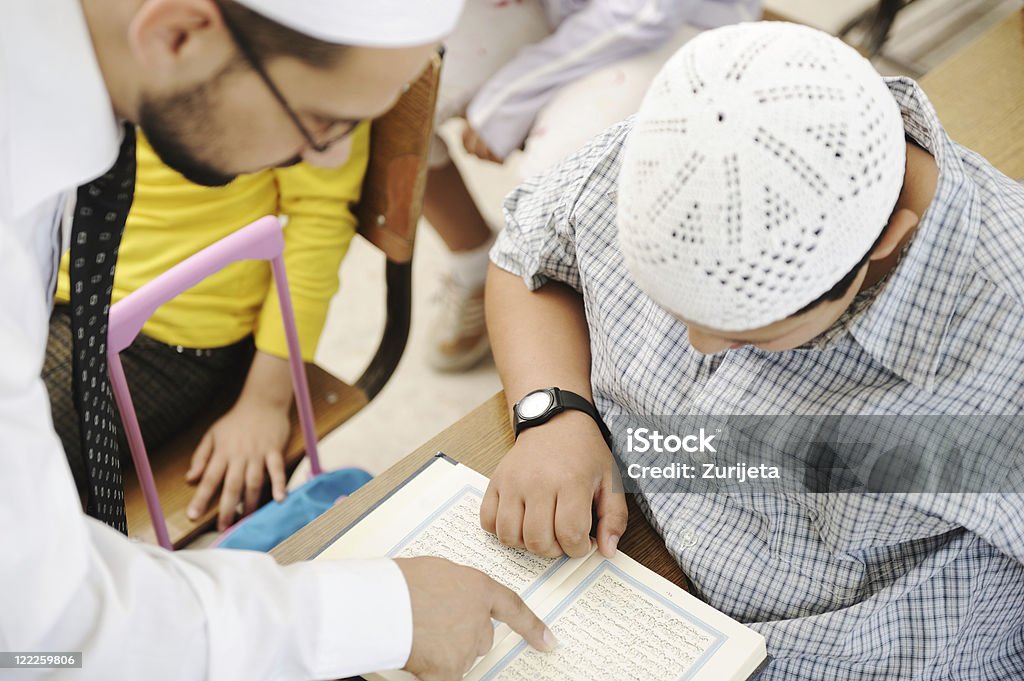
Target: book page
(454,532)
(617,620)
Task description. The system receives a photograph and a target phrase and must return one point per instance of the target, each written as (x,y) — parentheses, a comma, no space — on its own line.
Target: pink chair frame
(260,240)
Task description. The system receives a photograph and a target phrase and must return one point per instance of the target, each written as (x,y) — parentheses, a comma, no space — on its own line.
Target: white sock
(469,268)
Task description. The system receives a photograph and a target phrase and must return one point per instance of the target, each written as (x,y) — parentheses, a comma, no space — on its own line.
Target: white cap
(765,161)
(364,23)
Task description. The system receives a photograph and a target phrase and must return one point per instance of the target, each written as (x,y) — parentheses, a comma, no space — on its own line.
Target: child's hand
(236,450)
(540,496)
(475,145)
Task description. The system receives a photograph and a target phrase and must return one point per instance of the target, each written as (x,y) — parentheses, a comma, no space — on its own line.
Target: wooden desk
(979,94)
(478,440)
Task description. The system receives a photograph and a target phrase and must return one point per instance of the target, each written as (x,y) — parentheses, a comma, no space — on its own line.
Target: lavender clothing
(587,35)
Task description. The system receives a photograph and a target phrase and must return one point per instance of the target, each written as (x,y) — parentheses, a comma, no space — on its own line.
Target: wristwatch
(540,406)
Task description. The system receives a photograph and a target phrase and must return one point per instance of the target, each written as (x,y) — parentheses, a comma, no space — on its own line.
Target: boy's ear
(164,32)
(900,223)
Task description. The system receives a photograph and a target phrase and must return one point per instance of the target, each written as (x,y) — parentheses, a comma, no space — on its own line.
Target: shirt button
(688,539)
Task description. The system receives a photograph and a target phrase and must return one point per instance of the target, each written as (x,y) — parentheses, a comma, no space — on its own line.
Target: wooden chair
(387,214)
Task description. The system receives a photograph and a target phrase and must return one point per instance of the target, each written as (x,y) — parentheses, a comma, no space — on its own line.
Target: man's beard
(167,122)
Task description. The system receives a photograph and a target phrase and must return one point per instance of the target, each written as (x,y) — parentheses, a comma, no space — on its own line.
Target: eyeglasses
(333,134)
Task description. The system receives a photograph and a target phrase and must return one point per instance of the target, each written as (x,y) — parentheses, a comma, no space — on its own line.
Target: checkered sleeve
(538,242)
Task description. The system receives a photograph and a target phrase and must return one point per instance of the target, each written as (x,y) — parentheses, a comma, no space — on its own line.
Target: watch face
(535,404)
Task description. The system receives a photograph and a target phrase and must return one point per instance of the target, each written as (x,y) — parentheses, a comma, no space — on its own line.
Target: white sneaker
(458,337)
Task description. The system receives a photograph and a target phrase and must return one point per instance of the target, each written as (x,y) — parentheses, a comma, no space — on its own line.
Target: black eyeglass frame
(250,56)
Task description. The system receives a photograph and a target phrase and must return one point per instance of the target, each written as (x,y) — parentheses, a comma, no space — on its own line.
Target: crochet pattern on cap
(764,162)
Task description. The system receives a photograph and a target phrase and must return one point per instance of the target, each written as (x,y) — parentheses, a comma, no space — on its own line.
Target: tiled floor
(417,403)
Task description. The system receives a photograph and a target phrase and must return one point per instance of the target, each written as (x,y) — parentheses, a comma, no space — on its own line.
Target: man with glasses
(220,88)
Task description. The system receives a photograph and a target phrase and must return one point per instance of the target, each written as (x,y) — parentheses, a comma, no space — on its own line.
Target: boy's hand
(475,145)
(235,451)
(540,496)
(452,607)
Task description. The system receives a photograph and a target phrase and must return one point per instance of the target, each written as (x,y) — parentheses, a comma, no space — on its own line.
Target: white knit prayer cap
(364,23)
(765,161)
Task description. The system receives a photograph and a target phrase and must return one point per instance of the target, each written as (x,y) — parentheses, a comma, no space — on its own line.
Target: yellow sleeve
(318,203)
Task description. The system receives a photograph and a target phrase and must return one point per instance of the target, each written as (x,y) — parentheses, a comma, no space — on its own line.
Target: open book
(614,619)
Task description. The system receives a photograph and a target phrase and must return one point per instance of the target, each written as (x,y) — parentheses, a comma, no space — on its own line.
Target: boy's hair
(269,39)
(842,286)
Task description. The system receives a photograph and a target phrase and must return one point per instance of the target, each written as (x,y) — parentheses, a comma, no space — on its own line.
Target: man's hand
(476,146)
(452,607)
(541,494)
(236,450)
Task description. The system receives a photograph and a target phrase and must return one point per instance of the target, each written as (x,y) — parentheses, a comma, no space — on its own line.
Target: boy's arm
(540,495)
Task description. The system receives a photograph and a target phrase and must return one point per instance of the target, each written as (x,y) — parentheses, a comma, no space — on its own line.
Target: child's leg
(588,106)
(450,209)
(487,37)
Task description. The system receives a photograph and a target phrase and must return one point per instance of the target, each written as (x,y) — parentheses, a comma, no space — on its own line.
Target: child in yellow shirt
(226,332)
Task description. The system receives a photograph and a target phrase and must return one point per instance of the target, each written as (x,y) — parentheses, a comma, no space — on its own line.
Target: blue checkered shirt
(843,586)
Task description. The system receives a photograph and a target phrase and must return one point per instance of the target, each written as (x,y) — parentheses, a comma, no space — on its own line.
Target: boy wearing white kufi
(779,230)
(755,178)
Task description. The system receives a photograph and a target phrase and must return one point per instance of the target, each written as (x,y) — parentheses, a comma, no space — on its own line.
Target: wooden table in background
(979,94)
(478,440)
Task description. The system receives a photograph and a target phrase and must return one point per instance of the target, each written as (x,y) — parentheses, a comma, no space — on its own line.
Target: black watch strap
(571,400)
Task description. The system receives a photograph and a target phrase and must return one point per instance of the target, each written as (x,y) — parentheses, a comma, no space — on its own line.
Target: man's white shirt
(68,582)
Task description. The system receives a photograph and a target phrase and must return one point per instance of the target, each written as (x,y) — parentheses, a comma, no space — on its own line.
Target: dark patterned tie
(100,214)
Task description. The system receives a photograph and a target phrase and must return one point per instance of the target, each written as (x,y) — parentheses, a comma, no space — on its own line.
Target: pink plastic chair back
(261,240)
